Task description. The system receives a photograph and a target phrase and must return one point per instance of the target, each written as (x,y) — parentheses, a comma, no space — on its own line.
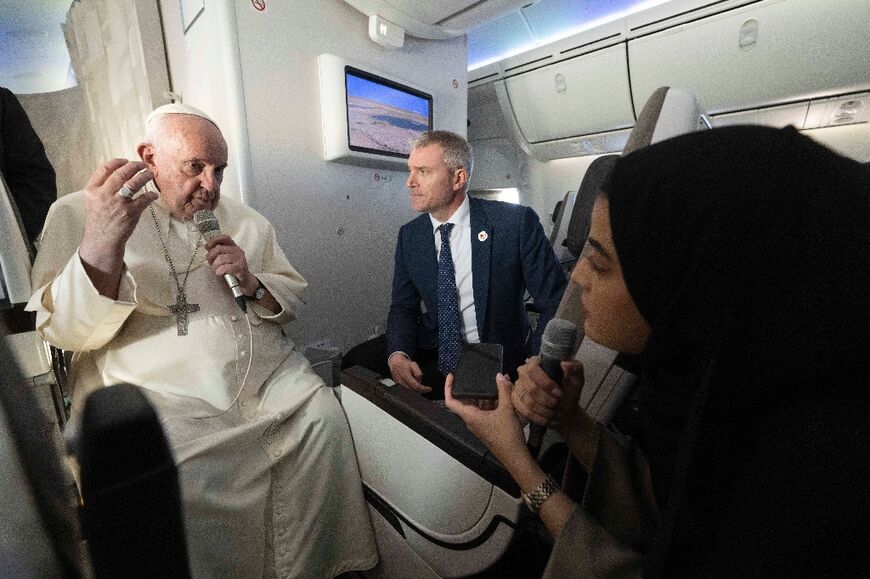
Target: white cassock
(270,487)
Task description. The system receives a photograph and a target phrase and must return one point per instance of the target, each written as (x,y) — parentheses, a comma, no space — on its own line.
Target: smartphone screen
(475,374)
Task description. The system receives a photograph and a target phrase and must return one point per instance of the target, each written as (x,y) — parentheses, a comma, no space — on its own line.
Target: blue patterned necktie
(449,336)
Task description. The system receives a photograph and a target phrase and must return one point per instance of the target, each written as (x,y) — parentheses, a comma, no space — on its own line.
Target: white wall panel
(802,49)
(336,223)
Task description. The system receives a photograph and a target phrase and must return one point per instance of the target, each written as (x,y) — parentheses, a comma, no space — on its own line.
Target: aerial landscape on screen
(382,118)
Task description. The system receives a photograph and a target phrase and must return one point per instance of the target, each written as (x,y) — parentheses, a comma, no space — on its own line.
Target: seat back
(44,365)
(38,505)
(581,214)
(667,113)
(559,233)
(16,255)
(131,511)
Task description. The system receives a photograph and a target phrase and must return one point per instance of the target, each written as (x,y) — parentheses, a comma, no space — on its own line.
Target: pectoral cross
(181,309)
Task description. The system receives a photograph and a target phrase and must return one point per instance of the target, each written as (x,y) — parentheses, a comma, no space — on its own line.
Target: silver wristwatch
(545,490)
(259,292)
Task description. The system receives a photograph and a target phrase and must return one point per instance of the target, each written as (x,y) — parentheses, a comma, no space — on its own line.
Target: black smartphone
(475,374)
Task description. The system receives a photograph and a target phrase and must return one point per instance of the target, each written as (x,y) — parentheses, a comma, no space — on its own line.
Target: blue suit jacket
(515,256)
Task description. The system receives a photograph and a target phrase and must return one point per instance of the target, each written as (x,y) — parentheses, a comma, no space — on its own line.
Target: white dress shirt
(460,248)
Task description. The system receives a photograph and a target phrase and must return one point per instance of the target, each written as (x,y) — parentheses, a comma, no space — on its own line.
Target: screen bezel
(391,84)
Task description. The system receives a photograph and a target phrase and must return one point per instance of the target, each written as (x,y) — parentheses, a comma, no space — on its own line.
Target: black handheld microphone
(131,499)
(557,344)
(208,226)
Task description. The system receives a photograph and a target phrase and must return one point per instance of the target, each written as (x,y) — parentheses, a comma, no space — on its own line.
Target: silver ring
(126,192)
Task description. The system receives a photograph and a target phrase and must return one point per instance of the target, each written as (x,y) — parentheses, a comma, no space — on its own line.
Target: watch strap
(259,292)
(544,491)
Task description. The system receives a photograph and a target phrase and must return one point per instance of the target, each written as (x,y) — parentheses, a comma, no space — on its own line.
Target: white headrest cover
(667,113)
(680,114)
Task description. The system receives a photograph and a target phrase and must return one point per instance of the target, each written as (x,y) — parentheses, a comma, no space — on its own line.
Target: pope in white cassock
(268,474)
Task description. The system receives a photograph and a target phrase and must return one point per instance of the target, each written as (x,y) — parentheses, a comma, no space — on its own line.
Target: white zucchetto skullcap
(177,109)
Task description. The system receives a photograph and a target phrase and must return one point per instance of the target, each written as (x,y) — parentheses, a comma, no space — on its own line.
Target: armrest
(438,425)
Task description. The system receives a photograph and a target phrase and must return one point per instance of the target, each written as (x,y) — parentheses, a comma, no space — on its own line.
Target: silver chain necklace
(181,308)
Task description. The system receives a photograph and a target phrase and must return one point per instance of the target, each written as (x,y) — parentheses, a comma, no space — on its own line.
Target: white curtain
(105,46)
(62,121)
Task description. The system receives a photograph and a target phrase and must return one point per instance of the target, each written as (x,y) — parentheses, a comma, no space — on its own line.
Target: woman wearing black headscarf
(736,262)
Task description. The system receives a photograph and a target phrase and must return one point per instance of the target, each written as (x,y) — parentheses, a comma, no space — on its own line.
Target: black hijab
(747,250)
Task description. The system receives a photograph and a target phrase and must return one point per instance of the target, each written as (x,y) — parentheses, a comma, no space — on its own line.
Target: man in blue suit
(498,251)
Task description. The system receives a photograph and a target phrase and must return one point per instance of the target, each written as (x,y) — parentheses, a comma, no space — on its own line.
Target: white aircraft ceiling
(541,22)
(499,28)
(34,58)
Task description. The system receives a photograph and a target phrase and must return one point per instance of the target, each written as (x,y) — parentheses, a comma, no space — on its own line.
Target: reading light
(850,107)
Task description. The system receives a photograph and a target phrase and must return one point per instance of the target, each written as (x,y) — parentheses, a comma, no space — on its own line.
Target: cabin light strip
(570,32)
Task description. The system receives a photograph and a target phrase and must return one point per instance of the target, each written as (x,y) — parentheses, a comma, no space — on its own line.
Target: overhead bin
(774,62)
(778,117)
(582,95)
(768,52)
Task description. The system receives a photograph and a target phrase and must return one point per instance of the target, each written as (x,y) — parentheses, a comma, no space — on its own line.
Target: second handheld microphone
(557,344)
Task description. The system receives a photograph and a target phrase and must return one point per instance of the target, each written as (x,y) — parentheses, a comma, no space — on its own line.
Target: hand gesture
(407,372)
(110,218)
(544,402)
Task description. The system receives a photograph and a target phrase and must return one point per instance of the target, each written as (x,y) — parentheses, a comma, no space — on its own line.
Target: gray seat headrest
(559,233)
(667,113)
(593,180)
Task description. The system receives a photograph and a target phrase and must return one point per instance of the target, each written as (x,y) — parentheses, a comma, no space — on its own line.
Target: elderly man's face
(188,158)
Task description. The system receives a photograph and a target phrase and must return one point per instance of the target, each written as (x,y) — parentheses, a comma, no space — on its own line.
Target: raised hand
(110,219)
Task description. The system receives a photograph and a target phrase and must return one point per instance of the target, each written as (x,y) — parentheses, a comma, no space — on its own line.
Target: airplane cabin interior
(548,93)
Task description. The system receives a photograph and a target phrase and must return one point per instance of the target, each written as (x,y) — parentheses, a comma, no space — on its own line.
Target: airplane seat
(127,520)
(44,365)
(131,513)
(667,113)
(440,504)
(38,506)
(558,235)
(34,359)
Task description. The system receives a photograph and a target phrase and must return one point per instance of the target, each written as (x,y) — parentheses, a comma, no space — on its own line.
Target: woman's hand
(544,402)
(498,429)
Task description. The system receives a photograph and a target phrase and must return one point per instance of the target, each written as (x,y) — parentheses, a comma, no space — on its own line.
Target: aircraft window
(508,195)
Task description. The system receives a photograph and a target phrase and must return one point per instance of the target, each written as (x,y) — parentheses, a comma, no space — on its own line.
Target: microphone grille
(206,222)
(558,339)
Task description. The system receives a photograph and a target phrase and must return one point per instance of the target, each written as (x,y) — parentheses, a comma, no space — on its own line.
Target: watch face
(260,292)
